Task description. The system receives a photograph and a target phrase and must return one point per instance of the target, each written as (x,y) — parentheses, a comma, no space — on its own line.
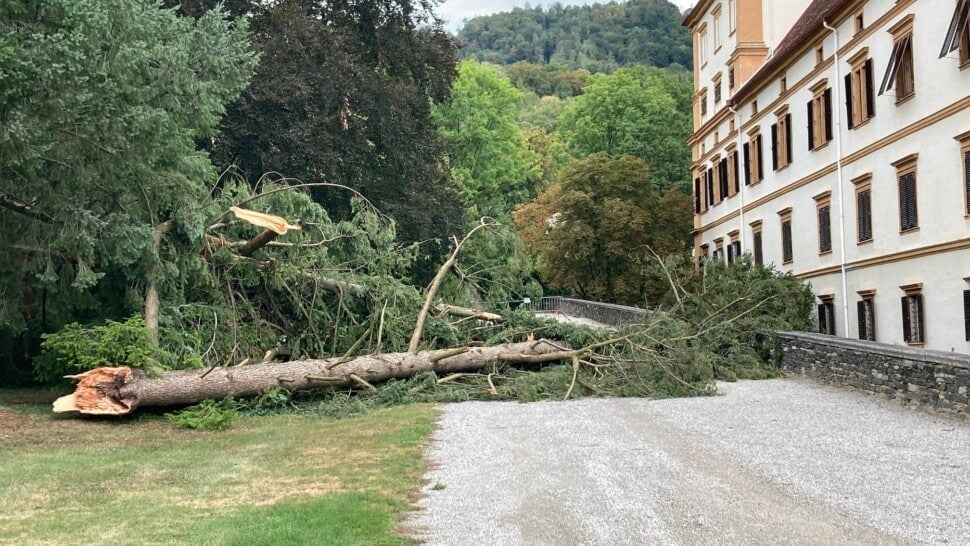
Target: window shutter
(697,195)
(823,327)
(827,100)
(761,156)
(811,126)
(774,146)
(788,149)
(758,254)
(865,215)
(966,171)
(906,330)
(824,229)
(966,313)
(848,99)
(709,175)
(787,250)
(747,166)
(870,96)
(861,310)
(907,201)
(723,172)
(737,181)
(957,25)
(920,334)
(895,58)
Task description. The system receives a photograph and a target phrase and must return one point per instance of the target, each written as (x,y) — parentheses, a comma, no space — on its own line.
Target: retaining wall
(932,380)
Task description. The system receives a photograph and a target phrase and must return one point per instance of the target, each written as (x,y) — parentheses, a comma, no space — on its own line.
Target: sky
(453,12)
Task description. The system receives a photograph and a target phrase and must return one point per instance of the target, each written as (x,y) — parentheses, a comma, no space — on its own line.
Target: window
(958,34)
(734,249)
(724,180)
(860,23)
(860,104)
(819,55)
(717,28)
(702,45)
(824,211)
(705,251)
(731,78)
(966,313)
(709,183)
(717,92)
(964,140)
(719,248)
(753,164)
(718,184)
(732,16)
(826,315)
(914,330)
(732,169)
(697,195)
(906,178)
(702,98)
(787,250)
(754,108)
(783,84)
(759,257)
(866,308)
(899,72)
(820,118)
(781,141)
(863,202)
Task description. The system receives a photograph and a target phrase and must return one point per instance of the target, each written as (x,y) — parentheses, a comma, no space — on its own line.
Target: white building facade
(832,140)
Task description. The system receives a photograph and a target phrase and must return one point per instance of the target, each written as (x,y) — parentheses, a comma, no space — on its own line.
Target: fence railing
(605,313)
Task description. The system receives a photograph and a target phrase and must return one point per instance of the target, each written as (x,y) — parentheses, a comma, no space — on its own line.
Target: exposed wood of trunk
(119,391)
(257,242)
(468,312)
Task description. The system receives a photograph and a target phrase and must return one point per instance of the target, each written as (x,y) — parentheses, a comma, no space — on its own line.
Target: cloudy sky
(455,11)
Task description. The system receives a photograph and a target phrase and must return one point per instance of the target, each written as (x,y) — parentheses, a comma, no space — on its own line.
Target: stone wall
(932,380)
(604,313)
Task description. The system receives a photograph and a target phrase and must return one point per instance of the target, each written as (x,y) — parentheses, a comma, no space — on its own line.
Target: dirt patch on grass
(264,493)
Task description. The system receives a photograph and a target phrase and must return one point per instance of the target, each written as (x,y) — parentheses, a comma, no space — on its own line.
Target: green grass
(286,479)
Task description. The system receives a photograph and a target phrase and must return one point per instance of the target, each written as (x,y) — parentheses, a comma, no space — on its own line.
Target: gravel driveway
(769,462)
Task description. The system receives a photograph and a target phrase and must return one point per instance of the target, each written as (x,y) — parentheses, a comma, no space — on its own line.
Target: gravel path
(769,462)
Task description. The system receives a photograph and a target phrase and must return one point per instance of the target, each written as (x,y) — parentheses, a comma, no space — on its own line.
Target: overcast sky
(455,11)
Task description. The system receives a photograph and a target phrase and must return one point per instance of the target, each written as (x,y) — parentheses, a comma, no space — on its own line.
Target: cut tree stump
(119,391)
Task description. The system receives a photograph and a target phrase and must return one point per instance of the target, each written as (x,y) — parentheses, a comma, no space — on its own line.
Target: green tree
(634,111)
(488,156)
(594,233)
(102,104)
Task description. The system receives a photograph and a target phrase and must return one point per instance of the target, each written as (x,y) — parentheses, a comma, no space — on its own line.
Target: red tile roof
(807,25)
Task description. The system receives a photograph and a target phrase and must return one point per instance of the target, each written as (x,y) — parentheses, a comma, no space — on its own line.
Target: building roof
(804,29)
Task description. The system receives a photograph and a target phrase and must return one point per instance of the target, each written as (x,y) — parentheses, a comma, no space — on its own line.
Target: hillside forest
(203,183)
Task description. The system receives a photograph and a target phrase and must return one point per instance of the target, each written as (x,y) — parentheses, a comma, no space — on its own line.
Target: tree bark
(119,391)
(467,312)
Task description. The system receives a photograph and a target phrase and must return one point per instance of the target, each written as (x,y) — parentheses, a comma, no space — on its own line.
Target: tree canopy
(634,111)
(596,230)
(598,37)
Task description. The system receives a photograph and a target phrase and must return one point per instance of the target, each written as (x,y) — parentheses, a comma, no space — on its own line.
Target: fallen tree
(120,391)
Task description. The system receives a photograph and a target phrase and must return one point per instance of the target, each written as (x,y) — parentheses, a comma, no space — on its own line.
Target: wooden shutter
(787,251)
(747,168)
(861,310)
(958,23)
(907,334)
(870,87)
(811,125)
(788,148)
(907,201)
(827,101)
(709,179)
(824,229)
(774,146)
(966,171)
(848,99)
(723,176)
(761,155)
(864,210)
(823,327)
(758,254)
(737,180)
(966,313)
(920,334)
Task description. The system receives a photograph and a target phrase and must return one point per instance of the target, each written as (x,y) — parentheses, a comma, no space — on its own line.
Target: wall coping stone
(958,360)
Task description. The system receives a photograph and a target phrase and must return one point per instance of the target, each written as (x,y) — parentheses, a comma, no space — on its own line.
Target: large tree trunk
(119,391)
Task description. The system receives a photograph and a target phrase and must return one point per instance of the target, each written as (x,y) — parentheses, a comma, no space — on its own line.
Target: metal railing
(605,313)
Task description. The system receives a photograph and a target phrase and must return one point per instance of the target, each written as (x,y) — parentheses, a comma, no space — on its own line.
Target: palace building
(832,140)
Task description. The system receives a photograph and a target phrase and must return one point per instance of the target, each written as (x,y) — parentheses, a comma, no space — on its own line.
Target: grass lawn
(287,479)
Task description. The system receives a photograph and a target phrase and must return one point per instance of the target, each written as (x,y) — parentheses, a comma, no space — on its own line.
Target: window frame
(781,139)
(958,34)
(863,184)
(826,315)
(860,98)
(907,167)
(866,314)
(913,315)
(787,236)
(757,243)
(823,202)
(900,72)
(964,140)
(753,158)
(820,127)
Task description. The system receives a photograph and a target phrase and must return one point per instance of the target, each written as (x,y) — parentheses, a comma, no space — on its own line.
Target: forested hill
(599,38)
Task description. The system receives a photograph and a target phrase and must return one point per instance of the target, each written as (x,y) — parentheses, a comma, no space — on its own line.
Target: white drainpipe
(743,182)
(838,165)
